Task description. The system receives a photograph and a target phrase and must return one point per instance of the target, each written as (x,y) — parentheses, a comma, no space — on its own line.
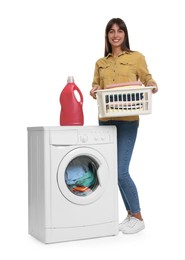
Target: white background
(42,42)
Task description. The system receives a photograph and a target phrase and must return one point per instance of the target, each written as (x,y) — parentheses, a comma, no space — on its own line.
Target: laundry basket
(124,101)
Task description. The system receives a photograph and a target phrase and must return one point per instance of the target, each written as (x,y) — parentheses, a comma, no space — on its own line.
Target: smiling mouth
(115,40)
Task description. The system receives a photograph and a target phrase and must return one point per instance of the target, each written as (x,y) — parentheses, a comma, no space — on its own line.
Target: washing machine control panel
(82,135)
(94,137)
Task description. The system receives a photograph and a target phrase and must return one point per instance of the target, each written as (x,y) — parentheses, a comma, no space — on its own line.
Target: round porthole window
(81,175)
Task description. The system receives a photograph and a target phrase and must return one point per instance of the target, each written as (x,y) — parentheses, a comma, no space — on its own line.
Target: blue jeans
(126,136)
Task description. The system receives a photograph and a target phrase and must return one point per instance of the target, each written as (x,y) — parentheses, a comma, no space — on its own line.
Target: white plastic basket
(124,101)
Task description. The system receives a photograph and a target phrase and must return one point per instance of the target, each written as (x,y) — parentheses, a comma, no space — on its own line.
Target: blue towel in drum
(74,173)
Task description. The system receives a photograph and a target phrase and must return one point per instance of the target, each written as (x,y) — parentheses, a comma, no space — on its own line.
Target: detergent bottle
(71,106)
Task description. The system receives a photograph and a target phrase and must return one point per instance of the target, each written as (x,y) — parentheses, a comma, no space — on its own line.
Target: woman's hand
(155,89)
(93,90)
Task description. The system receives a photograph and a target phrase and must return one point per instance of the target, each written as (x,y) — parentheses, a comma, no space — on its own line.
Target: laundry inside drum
(81,175)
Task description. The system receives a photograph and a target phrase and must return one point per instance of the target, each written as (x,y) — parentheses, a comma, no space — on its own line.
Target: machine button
(103,138)
(84,138)
(96,138)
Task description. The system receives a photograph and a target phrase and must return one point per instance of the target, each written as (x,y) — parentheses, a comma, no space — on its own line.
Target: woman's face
(116,36)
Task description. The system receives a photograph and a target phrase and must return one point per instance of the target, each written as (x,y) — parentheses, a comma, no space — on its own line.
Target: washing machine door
(83,175)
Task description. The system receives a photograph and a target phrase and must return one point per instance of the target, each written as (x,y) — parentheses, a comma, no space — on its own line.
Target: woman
(119,65)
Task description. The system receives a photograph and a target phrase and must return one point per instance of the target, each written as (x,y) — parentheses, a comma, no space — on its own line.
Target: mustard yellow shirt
(127,67)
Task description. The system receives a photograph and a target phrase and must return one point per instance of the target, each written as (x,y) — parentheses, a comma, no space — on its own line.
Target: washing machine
(72,182)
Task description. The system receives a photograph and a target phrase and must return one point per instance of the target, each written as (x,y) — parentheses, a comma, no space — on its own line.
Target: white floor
(162,239)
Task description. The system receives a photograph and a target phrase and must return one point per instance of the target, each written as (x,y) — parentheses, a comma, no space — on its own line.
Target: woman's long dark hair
(125,46)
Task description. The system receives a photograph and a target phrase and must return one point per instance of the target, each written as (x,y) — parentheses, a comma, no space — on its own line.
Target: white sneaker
(122,224)
(134,225)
